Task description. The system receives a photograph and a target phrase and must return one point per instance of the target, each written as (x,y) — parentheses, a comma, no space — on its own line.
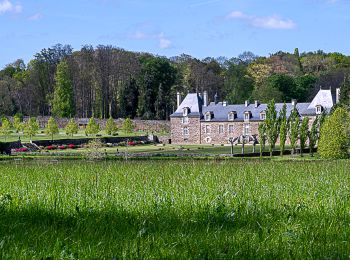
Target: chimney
(205,98)
(178,99)
(257,103)
(294,102)
(224,103)
(246,103)
(337,95)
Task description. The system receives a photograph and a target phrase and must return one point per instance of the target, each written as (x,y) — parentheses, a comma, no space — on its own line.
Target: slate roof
(220,112)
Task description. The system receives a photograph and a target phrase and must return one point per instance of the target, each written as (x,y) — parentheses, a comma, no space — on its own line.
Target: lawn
(175,209)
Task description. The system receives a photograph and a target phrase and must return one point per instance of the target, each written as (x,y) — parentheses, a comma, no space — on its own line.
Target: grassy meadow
(175,209)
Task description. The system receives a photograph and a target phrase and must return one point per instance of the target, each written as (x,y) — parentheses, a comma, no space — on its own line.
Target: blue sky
(200,28)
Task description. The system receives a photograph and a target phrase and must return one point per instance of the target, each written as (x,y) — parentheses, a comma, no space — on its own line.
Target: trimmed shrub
(334,139)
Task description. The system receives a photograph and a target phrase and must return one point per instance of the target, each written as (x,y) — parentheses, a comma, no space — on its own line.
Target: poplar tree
(304,132)
(52,127)
(272,125)
(262,137)
(294,123)
(283,127)
(313,136)
(63,102)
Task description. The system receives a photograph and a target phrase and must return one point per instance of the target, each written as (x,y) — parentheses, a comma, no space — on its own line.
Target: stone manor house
(196,121)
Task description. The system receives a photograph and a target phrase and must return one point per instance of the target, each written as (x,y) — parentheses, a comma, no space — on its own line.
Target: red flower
(62,147)
(50,147)
(72,146)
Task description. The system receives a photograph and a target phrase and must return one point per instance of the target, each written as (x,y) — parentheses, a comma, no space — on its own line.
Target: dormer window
(186,111)
(247,115)
(262,115)
(208,116)
(232,115)
(319,109)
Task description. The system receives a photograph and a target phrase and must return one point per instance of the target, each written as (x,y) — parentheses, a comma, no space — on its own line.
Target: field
(175,209)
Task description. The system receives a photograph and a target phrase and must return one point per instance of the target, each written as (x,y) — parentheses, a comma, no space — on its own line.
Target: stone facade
(179,134)
(196,121)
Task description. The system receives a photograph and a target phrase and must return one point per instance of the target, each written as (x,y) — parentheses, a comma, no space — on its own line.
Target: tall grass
(233,209)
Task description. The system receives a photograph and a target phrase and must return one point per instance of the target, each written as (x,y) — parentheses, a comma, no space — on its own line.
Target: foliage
(95,151)
(52,127)
(262,137)
(111,126)
(31,127)
(17,123)
(272,125)
(5,128)
(294,122)
(345,93)
(92,127)
(128,126)
(71,127)
(63,102)
(334,137)
(304,133)
(314,135)
(283,127)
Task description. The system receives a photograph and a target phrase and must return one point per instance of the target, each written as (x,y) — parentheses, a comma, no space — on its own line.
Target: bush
(72,146)
(334,138)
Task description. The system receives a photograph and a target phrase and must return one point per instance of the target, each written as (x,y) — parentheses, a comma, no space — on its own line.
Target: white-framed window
(185,120)
(262,116)
(230,129)
(185,111)
(207,116)
(221,129)
(207,129)
(186,131)
(231,116)
(246,115)
(208,139)
(246,129)
(318,109)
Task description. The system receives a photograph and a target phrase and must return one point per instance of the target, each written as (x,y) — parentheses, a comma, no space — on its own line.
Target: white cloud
(35,17)
(164,43)
(266,22)
(8,7)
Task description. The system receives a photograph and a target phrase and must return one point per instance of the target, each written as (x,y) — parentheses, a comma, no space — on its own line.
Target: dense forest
(108,81)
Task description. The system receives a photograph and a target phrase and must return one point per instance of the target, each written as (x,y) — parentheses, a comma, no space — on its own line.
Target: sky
(200,28)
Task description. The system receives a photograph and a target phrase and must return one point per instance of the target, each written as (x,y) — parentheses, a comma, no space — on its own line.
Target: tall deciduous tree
(304,132)
(283,127)
(272,125)
(63,99)
(313,136)
(262,137)
(293,132)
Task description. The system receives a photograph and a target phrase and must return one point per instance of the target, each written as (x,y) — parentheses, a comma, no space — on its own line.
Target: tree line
(106,81)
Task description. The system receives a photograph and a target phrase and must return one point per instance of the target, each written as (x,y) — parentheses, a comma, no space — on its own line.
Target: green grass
(175,209)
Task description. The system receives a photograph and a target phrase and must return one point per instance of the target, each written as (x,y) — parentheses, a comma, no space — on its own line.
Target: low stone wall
(150,126)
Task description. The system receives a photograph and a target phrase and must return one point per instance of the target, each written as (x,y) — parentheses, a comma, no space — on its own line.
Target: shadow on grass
(211,233)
